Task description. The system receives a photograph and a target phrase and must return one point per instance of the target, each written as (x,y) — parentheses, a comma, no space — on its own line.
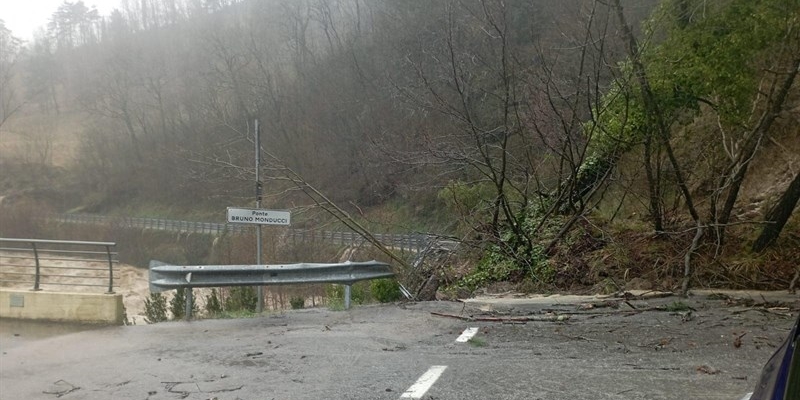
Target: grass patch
(477,342)
(233,314)
(359,294)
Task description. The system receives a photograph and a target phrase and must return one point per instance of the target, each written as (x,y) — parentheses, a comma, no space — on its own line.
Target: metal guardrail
(404,242)
(165,276)
(42,252)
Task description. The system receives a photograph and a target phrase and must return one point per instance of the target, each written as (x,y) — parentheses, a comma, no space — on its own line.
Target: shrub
(155,308)
(297,303)
(335,295)
(385,290)
(178,304)
(242,298)
(499,264)
(213,305)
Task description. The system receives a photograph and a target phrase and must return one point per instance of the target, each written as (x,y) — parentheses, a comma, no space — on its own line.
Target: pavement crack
(61,388)
(223,390)
(170,387)
(185,389)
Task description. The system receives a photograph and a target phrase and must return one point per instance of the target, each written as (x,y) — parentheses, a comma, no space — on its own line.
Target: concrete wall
(59,306)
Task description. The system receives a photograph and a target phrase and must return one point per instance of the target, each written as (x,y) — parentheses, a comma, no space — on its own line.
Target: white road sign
(259,217)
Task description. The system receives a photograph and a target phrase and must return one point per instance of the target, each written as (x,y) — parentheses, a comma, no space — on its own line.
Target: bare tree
(513,134)
(10,52)
(74,24)
(742,151)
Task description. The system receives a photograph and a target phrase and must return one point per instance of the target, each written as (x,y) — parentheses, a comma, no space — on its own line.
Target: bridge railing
(38,263)
(413,242)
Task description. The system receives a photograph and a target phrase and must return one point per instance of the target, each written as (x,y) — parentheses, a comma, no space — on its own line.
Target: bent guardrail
(164,276)
(42,257)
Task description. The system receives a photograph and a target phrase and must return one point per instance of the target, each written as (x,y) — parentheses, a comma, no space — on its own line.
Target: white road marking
(467,335)
(747,396)
(418,389)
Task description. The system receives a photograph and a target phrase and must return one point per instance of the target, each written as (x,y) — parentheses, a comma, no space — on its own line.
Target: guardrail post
(346,297)
(110,271)
(36,258)
(188,305)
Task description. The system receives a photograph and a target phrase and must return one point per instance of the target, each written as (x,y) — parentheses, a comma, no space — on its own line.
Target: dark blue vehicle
(780,378)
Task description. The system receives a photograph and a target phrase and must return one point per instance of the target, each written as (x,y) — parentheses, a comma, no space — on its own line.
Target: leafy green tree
(709,58)
(735,58)
(739,58)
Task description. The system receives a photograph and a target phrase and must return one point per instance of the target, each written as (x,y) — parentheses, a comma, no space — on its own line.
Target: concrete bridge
(60,280)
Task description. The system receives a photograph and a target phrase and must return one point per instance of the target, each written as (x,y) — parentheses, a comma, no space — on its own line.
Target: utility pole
(257,140)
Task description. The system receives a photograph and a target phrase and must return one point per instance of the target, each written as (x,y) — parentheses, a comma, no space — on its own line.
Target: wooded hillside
(565,143)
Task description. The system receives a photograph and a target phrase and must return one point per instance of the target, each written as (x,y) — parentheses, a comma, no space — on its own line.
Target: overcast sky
(23,17)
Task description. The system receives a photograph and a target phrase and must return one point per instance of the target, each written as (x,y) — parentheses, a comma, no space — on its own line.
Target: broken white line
(467,335)
(418,389)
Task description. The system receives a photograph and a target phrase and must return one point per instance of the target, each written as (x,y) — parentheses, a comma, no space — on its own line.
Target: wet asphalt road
(380,351)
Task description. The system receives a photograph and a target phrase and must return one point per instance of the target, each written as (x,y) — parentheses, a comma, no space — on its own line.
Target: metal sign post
(257,216)
(259,289)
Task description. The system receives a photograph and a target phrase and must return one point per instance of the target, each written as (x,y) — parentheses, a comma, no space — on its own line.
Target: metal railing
(152,223)
(413,242)
(42,262)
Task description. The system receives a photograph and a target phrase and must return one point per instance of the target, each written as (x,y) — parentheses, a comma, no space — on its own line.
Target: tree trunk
(777,216)
(654,187)
(652,108)
(774,108)
(687,259)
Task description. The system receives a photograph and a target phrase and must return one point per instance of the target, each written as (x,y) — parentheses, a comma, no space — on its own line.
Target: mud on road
(704,347)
